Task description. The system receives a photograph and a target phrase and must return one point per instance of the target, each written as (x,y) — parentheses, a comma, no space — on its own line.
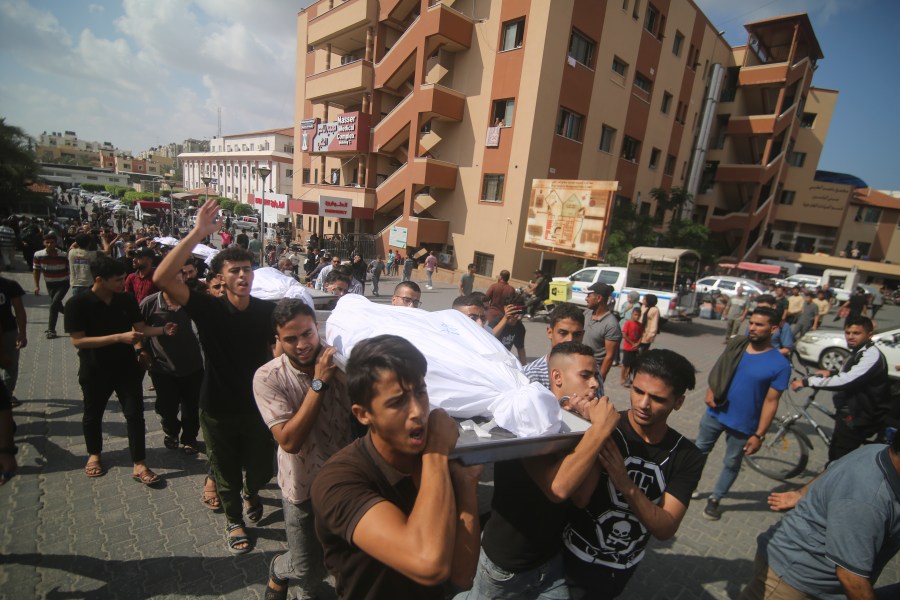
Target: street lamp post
(263,173)
(206,181)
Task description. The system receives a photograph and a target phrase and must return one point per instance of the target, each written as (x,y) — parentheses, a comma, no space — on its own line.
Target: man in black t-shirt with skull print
(640,486)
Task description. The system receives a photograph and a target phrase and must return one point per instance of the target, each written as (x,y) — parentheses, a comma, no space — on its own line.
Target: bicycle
(785,453)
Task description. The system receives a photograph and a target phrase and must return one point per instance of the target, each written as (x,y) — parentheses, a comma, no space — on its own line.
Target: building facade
(468,102)
(231,163)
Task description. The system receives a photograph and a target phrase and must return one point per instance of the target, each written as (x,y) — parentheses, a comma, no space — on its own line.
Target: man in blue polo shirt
(844,530)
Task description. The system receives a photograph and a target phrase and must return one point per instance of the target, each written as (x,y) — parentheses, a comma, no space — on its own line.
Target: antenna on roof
(219,108)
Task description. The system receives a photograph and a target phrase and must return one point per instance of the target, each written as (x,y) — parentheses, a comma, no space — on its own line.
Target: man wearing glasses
(320,280)
(407,293)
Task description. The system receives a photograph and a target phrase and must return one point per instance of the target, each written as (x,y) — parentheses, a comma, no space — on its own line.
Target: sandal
(272,593)
(190,448)
(147,477)
(210,497)
(94,468)
(253,507)
(171,443)
(233,541)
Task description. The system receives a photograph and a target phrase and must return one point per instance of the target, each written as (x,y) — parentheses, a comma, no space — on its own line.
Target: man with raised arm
(237,337)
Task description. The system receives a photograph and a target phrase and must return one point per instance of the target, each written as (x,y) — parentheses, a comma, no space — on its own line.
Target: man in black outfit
(237,337)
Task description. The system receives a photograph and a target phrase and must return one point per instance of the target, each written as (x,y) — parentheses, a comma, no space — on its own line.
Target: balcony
(763,74)
(341,85)
(419,172)
(344,25)
(440,26)
(753,125)
(431,101)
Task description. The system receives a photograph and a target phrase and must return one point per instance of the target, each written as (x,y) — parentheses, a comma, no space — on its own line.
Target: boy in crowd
(640,486)
(395,517)
(631,342)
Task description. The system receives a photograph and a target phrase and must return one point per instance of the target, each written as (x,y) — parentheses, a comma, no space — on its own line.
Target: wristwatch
(757,436)
(318,385)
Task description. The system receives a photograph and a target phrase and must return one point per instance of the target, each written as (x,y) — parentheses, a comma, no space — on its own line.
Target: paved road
(67,536)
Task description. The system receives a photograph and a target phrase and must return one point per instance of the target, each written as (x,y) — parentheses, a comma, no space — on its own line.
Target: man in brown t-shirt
(304,402)
(497,294)
(396,519)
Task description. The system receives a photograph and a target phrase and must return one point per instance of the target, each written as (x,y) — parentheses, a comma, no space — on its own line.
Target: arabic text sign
(350,133)
(333,206)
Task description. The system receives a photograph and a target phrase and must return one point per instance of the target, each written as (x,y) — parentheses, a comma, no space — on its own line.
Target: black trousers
(846,439)
(57,291)
(97,387)
(172,393)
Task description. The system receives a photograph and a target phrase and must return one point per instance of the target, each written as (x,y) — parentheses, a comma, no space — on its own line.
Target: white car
(808,281)
(724,284)
(827,349)
(584,278)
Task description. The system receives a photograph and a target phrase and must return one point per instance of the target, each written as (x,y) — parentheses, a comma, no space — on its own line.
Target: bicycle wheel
(783,456)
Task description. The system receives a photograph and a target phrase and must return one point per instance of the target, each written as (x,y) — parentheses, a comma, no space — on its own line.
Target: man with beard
(745,386)
(303,400)
(601,328)
(236,336)
(396,518)
(140,283)
(623,503)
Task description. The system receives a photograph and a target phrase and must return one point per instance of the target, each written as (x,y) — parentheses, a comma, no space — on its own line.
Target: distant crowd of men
(369,493)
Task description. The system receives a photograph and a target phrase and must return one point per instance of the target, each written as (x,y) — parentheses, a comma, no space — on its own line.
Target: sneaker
(696,495)
(712,511)
(51,335)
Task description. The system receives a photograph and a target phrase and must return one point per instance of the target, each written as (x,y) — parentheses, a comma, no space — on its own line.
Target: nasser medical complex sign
(349,133)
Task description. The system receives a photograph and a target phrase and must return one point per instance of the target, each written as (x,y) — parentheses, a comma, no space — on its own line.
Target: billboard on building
(397,237)
(276,206)
(336,207)
(569,216)
(349,133)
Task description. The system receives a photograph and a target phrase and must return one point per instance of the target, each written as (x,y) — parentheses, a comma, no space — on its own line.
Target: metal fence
(345,245)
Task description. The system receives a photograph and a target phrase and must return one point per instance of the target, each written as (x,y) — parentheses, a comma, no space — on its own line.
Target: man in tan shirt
(303,400)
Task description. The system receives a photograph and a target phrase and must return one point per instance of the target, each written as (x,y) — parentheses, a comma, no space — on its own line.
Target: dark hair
(234,254)
(765,299)
(50,236)
(412,285)
(864,322)
(337,274)
(372,357)
(650,300)
(504,275)
(569,348)
(480,296)
(668,366)
(514,299)
(84,241)
(467,300)
(566,311)
(105,267)
(770,313)
(288,309)
(471,266)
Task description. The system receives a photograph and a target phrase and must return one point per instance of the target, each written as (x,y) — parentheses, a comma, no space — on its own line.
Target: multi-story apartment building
(56,147)
(449,110)
(232,161)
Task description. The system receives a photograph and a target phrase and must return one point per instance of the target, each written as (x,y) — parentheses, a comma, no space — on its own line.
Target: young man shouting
(396,519)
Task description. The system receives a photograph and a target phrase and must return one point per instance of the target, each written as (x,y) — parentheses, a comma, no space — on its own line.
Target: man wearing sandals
(303,400)
(236,335)
(176,372)
(106,326)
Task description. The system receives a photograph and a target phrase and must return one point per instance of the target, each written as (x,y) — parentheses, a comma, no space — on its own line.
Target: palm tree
(18,167)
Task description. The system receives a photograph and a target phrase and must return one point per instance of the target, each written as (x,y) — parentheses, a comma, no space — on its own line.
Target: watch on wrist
(757,436)
(318,385)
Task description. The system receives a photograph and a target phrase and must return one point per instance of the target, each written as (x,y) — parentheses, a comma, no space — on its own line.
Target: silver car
(827,349)
(724,284)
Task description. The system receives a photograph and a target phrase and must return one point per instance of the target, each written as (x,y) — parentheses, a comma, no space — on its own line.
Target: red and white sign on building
(276,206)
(350,133)
(335,207)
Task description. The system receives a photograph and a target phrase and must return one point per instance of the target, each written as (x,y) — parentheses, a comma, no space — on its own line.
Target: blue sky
(139,73)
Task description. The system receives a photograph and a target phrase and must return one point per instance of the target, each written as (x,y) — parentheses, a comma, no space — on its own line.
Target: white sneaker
(696,495)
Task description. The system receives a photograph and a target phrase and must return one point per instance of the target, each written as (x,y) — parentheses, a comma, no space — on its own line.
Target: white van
(585,278)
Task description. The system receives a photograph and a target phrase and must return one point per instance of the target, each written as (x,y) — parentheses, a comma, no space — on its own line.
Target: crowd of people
(368,490)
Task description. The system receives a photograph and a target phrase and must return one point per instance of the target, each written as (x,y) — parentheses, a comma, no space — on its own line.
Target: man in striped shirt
(54,264)
(566,325)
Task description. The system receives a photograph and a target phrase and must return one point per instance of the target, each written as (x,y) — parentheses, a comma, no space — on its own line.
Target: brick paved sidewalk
(68,536)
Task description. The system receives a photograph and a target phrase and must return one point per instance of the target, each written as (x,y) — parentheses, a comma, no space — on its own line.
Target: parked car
(808,281)
(724,284)
(827,349)
(250,223)
(584,278)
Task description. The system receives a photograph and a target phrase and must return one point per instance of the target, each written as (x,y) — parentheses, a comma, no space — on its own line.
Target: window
(630,148)
(607,139)
(288,173)
(868,214)
(569,124)
(642,82)
(305,175)
(666,105)
(796,159)
(244,171)
(581,48)
(670,165)
(335,177)
(654,157)
(636,12)
(584,276)
(619,66)
(503,112)
(677,44)
(484,264)
(651,18)
(513,34)
(787,197)
(228,169)
(808,120)
(492,188)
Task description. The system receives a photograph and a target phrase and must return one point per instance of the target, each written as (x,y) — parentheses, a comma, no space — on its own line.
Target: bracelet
(11,450)
(757,436)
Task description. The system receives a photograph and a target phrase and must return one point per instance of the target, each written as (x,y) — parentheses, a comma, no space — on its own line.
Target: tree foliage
(18,167)
(241,209)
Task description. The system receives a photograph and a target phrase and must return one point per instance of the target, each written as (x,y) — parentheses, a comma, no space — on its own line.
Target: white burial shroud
(470,373)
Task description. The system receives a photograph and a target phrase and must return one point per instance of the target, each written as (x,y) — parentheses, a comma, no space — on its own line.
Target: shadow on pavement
(687,575)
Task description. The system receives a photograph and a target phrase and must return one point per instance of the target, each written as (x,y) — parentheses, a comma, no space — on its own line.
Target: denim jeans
(546,582)
(57,291)
(303,562)
(710,430)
